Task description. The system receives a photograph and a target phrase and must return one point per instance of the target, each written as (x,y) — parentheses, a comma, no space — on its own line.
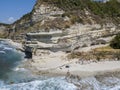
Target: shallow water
(9,57)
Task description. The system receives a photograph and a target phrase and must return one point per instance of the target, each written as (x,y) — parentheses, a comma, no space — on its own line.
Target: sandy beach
(56,64)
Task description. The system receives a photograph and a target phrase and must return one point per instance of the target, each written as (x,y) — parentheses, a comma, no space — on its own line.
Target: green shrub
(115,43)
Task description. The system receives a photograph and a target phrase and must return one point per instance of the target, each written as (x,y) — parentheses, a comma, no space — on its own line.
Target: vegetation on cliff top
(3,24)
(26,17)
(75,9)
(108,9)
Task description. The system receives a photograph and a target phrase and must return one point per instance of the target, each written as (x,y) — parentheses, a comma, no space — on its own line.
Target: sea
(14,78)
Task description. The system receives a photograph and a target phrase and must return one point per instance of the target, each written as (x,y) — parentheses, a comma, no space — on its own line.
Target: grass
(98,54)
(107,48)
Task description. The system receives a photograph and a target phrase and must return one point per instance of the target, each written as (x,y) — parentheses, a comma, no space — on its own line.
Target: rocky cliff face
(43,11)
(51,15)
(3,30)
(43,17)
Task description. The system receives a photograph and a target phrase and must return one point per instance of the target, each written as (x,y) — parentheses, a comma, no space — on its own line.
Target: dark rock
(67,66)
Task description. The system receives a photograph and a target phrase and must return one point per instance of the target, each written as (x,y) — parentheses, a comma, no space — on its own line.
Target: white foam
(116,88)
(7,48)
(49,84)
(90,83)
(19,69)
(2,52)
(1,83)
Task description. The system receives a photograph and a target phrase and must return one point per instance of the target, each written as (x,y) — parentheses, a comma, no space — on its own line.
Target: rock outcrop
(4,30)
(59,14)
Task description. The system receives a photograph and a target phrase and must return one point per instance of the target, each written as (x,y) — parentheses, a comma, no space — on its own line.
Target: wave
(115,88)
(49,84)
(9,57)
(105,82)
(89,83)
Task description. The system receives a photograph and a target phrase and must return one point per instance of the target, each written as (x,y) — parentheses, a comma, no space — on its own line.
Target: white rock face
(46,11)
(77,36)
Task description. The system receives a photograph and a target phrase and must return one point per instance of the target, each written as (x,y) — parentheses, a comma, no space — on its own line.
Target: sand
(56,64)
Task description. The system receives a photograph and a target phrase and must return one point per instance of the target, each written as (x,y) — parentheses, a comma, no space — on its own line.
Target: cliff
(62,14)
(4,30)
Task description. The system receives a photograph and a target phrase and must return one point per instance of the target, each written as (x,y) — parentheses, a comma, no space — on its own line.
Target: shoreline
(57,64)
(85,70)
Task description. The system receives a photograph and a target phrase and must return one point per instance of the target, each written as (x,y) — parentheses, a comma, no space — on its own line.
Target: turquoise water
(14,78)
(9,58)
